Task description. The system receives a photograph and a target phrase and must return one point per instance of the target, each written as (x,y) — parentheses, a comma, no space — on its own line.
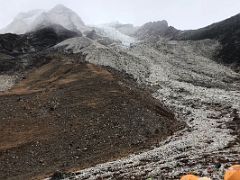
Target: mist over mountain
(26,22)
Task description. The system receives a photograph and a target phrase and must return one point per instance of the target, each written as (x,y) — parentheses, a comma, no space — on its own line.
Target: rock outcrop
(156,30)
(227,32)
(16,49)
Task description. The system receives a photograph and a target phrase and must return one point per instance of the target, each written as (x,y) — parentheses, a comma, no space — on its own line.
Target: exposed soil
(72,116)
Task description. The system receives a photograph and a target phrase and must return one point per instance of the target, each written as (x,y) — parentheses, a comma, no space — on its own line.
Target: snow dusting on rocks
(200,91)
(7,81)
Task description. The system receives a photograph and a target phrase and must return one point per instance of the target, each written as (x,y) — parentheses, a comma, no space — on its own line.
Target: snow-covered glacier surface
(201,92)
(113,33)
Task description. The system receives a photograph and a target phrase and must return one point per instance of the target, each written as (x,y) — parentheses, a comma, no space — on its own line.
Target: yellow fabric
(189,177)
(233,173)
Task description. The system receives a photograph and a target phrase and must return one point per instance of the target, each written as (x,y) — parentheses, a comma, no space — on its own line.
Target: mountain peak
(60,14)
(60,7)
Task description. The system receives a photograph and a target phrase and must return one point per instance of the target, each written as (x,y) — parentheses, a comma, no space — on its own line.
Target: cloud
(183,14)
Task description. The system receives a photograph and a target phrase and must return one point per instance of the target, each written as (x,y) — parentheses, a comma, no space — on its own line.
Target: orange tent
(233,173)
(189,177)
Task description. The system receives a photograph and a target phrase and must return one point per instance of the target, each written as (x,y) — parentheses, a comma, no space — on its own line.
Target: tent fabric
(233,173)
(190,177)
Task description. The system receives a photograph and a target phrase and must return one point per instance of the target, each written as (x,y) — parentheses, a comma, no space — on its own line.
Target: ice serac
(127,29)
(60,15)
(114,34)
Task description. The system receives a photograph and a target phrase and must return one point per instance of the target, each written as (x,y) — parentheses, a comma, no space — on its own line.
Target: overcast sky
(182,14)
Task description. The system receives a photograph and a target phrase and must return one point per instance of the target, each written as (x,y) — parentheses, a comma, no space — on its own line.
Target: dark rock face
(92,34)
(49,36)
(227,32)
(9,42)
(15,48)
(12,44)
(156,30)
(7,62)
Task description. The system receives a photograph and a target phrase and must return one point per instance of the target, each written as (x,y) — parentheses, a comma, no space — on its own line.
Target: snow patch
(113,33)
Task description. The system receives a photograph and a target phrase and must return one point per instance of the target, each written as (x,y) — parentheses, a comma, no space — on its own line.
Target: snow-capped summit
(22,22)
(63,16)
(30,21)
(60,7)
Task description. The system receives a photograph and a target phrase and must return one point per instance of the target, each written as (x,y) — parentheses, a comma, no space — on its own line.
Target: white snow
(30,16)
(25,22)
(113,33)
(22,22)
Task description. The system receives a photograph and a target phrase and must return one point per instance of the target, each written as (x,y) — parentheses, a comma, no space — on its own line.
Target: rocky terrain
(119,102)
(226,32)
(156,30)
(7,81)
(59,118)
(184,76)
(19,52)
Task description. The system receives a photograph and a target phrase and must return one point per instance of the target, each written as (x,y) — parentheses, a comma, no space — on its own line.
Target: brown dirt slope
(71,116)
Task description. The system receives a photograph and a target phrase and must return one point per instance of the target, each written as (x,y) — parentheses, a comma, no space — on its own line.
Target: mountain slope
(76,115)
(227,32)
(201,92)
(16,50)
(73,109)
(43,38)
